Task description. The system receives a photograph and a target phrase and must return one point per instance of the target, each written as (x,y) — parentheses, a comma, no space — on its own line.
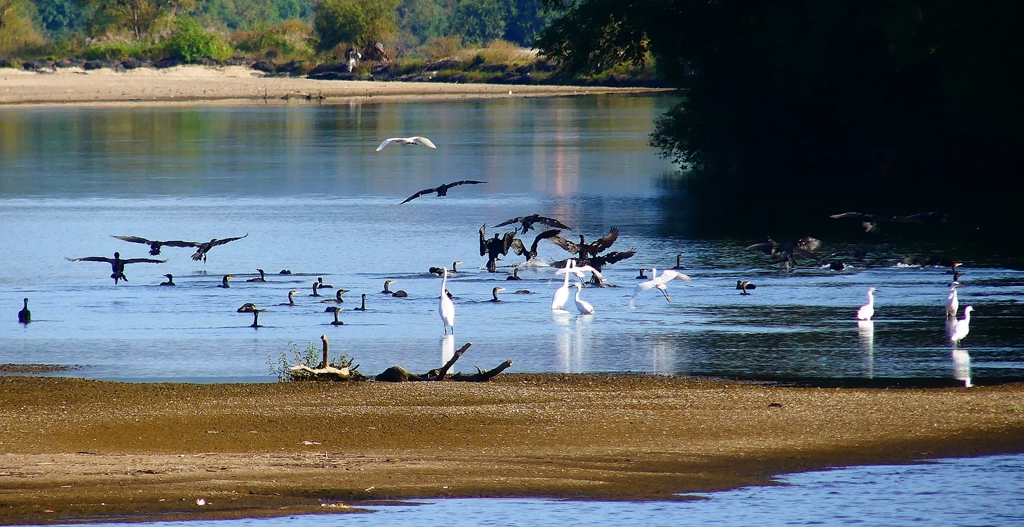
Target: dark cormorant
(291,299)
(956,274)
(783,252)
(116,264)
(224,282)
(249,307)
(387,287)
(494,294)
(743,285)
(642,275)
(495,247)
(679,262)
(154,246)
(285,271)
(170,280)
(321,284)
(337,297)
(204,247)
(515,274)
(584,249)
(363,306)
(526,222)
(438,271)
(598,262)
(316,285)
(260,278)
(400,294)
(25,316)
(520,249)
(870,221)
(442,190)
(335,310)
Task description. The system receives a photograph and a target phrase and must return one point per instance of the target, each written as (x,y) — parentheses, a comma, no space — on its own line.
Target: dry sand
(238,85)
(77,450)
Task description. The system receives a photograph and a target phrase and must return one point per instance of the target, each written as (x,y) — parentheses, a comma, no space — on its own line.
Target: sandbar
(233,85)
(74,450)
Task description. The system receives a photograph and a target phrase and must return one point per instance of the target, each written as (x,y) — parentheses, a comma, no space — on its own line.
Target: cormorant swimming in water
(316,285)
(249,307)
(495,247)
(515,274)
(439,270)
(285,271)
(335,310)
(260,278)
(526,222)
(170,280)
(224,282)
(337,297)
(321,284)
(679,262)
(387,287)
(441,190)
(116,264)
(25,316)
(494,294)
(291,299)
(743,285)
(363,306)
(642,275)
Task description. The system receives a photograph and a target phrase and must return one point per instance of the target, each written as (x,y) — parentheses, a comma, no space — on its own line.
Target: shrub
(438,48)
(116,50)
(286,39)
(501,52)
(190,42)
(18,36)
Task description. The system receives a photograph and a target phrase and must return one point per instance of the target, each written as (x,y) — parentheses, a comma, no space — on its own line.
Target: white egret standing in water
(962,326)
(561,295)
(658,282)
(584,307)
(445,307)
(867,310)
(952,302)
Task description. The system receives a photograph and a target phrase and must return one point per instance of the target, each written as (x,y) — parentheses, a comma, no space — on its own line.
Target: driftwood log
(399,374)
(324,371)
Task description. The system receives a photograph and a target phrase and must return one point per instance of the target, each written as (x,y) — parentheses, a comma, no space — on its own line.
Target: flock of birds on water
(586,257)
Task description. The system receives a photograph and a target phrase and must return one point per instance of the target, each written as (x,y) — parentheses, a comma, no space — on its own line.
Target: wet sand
(77,450)
(197,85)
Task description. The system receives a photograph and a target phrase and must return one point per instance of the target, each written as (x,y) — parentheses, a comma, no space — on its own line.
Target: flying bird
(495,247)
(204,247)
(584,249)
(526,222)
(116,264)
(783,252)
(659,283)
(520,249)
(442,190)
(870,221)
(414,140)
(154,245)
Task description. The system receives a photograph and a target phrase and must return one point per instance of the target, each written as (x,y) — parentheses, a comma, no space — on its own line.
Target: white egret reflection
(866,337)
(962,366)
(447,348)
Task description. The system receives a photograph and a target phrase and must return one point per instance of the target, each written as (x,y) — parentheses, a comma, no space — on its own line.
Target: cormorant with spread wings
(441,190)
(154,245)
(526,222)
(204,247)
(584,249)
(870,221)
(494,247)
(519,248)
(116,264)
(783,252)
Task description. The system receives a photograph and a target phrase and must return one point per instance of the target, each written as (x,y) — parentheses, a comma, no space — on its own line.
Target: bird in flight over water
(414,140)
(441,190)
(116,264)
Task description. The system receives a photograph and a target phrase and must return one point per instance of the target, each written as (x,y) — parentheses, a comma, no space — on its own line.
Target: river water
(307,187)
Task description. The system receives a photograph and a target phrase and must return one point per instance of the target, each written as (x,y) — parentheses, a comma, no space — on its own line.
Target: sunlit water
(307,187)
(956,492)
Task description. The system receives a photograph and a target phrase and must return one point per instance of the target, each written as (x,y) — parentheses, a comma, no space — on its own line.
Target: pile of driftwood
(326,371)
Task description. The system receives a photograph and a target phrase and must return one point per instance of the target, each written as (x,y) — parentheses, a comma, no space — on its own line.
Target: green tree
(423,20)
(353,22)
(137,16)
(60,17)
(190,42)
(17,34)
(481,21)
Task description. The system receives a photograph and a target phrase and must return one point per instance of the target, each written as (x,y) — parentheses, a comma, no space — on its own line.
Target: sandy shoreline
(76,450)
(204,85)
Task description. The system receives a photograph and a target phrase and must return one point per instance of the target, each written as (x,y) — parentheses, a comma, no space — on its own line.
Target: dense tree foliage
(16,29)
(353,22)
(914,93)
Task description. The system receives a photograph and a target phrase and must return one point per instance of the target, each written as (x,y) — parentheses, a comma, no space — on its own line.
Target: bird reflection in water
(866,337)
(447,348)
(962,366)
(572,341)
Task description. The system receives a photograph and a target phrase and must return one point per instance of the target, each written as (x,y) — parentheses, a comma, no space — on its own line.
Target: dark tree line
(890,101)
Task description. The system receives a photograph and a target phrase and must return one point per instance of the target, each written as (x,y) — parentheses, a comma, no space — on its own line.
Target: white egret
(561,295)
(582,306)
(446,308)
(962,326)
(414,140)
(867,310)
(952,302)
(659,283)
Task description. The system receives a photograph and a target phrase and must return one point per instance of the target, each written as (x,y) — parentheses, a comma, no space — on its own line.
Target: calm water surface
(957,492)
(307,187)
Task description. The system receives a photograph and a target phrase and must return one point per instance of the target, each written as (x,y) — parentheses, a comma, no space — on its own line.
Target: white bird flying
(962,326)
(446,308)
(952,302)
(582,306)
(659,283)
(867,310)
(414,140)
(579,271)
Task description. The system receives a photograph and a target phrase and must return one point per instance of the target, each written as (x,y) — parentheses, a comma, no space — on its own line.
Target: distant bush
(288,39)
(190,42)
(116,50)
(505,52)
(18,36)
(438,48)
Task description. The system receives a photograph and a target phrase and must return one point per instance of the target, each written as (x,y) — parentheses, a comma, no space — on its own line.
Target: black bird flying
(442,190)
(526,222)
(116,264)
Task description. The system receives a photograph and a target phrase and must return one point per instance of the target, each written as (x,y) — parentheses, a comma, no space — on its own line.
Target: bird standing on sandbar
(442,190)
(116,264)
